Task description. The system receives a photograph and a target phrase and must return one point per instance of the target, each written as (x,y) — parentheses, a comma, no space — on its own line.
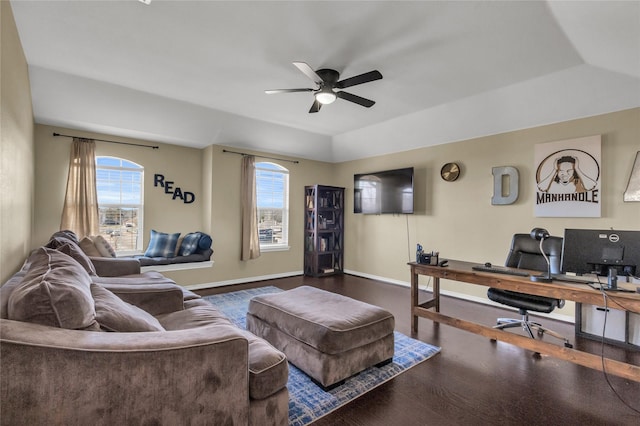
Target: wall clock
(450,172)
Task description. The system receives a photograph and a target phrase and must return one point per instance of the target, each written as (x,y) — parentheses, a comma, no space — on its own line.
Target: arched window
(272,188)
(120,203)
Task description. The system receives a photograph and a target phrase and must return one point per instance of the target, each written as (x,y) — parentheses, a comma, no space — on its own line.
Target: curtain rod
(103,140)
(261,156)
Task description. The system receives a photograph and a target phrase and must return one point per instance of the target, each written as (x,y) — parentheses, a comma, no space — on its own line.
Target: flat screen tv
(595,251)
(386,192)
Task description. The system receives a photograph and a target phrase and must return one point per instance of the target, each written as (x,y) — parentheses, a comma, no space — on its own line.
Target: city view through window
(120,201)
(272,188)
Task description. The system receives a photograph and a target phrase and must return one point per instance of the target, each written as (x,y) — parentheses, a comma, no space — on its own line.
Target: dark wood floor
(473,380)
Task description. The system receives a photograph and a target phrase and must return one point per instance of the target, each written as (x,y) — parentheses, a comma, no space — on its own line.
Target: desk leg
(414,302)
(436,293)
(416,307)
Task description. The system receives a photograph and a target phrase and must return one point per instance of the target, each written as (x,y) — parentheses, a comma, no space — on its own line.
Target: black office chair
(525,254)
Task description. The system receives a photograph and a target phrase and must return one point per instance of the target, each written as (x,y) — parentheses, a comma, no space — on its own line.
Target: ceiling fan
(327,81)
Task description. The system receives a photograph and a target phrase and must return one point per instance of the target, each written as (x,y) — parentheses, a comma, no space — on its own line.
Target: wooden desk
(461,271)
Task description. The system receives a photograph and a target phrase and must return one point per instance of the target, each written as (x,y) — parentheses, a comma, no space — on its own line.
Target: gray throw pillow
(114,314)
(54,292)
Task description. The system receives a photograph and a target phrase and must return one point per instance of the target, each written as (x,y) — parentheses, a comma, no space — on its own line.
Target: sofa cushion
(114,314)
(59,239)
(155,299)
(66,233)
(162,245)
(79,256)
(88,246)
(197,316)
(103,246)
(55,292)
(189,244)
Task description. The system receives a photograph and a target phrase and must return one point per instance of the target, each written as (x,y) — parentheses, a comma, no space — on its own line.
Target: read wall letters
(175,192)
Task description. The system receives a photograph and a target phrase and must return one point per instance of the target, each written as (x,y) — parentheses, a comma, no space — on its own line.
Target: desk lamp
(541,234)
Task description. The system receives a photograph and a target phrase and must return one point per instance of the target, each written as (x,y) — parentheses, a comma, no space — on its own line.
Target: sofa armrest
(114,267)
(195,376)
(154,298)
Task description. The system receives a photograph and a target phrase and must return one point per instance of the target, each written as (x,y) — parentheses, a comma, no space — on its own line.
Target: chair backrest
(525,253)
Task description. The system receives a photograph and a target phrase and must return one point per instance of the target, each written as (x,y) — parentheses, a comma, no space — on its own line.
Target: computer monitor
(595,251)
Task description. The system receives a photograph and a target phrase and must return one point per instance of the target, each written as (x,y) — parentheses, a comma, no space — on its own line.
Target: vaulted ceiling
(194,72)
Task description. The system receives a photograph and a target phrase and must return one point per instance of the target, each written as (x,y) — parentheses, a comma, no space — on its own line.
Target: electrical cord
(605,298)
(408,238)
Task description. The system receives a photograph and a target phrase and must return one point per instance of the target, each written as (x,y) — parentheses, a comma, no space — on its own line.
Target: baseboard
(462,296)
(564,318)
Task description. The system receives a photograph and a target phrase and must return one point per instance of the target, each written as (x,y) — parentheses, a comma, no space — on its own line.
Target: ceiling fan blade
(274,91)
(359,79)
(309,72)
(315,107)
(368,103)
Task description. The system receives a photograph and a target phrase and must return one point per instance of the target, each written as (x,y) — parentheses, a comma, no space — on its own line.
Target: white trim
(272,247)
(203,286)
(177,266)
(555,316)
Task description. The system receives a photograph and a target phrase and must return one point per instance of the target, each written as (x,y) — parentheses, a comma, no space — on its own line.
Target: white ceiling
(194,72)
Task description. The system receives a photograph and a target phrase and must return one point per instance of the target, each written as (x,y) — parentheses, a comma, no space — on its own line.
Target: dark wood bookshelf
(323,230)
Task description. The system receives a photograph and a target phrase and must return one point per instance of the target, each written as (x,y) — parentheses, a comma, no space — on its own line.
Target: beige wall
(226,222)
(457,218)
(181,165)
(213,176)
(16,149)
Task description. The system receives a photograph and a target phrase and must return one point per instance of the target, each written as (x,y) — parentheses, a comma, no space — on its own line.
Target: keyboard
(500,270)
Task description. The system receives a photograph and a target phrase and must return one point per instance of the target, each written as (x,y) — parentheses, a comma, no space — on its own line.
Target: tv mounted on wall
(595,251)
(385,192)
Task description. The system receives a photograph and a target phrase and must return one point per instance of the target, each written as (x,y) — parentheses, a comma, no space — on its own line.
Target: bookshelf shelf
(324,230)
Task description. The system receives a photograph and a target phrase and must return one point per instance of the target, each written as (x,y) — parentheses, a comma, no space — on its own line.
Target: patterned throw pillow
(162,245)
(189,244)
(103,246)
(205,242)
(88,246)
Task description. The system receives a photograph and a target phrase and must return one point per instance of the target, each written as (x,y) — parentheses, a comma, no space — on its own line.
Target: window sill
(177,266)
(274,248)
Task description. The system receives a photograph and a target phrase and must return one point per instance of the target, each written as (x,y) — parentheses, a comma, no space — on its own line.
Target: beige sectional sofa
(80,348)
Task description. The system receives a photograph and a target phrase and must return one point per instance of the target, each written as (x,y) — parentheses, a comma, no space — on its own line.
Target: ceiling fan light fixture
(326,96)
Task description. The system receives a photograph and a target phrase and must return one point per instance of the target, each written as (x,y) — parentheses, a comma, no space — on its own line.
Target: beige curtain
(80,210)
(250,240)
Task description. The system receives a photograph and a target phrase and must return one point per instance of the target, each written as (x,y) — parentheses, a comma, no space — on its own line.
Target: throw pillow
(55,292)
(87,246)
(103,246)
(205,242)
(162,245)
(79,256)
(189,244)
(114,314)
(66,233)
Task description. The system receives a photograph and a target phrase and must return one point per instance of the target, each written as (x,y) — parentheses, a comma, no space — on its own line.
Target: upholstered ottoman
(328,336)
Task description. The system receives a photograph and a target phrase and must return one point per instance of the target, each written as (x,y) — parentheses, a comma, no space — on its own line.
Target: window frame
(138,249)
(271,167)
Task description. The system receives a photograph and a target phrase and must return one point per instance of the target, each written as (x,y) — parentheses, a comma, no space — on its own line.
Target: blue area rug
(307,401)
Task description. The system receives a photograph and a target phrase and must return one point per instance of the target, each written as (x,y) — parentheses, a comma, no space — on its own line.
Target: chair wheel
(540,332)
(568,345)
